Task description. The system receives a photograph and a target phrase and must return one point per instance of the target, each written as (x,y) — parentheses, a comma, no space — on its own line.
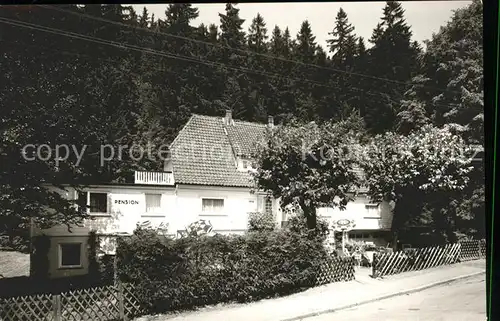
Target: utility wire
(124,46)
(80,55)
(162,54)
(246,51)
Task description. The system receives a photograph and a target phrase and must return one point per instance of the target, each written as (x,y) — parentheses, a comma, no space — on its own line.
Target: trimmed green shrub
(39,265)
(298,224)
(196,271)
(199,228)
(261,221)
(106,267)
(15,243)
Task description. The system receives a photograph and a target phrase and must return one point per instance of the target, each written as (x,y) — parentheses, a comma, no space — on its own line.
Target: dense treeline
(91,75)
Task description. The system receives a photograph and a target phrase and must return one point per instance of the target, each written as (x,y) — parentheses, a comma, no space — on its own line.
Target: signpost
(344,226)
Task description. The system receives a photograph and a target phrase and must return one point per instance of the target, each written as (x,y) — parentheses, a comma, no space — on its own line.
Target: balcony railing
(154,178)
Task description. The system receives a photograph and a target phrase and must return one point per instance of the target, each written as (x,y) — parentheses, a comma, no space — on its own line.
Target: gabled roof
(244,135)
(204,152)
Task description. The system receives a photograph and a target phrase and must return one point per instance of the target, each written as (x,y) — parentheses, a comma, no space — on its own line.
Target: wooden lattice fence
(472,250)
(335,269)
(104,303)
(419,259)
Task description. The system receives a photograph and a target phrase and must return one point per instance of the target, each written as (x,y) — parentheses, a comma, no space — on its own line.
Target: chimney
(229,118)
(270,121)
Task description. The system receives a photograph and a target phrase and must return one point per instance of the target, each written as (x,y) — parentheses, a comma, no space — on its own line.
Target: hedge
(195,271)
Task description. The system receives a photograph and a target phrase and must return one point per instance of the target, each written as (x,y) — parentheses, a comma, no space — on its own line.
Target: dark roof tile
(205,151)
(202,153)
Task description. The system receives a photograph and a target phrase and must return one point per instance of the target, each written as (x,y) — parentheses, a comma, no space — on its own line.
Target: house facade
(207,176)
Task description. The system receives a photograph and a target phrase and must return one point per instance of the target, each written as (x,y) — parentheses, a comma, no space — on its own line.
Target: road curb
(387,296)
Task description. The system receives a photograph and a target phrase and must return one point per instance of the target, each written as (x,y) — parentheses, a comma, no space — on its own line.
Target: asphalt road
(463,300)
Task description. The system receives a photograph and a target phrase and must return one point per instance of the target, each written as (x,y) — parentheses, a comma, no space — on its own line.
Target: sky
(424,17)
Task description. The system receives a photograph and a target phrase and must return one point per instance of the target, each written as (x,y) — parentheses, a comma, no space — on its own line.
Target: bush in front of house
(20,243)
(261,221)
(176,274)
(298,224)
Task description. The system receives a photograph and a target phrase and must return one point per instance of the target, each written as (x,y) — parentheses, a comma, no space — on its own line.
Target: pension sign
(127,202)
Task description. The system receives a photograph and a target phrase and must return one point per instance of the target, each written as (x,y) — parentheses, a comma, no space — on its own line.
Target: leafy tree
(450,85)
(36,109)
(101,94)
(470,206)
(449,90)
(417,172)
(304,166)
(412,115)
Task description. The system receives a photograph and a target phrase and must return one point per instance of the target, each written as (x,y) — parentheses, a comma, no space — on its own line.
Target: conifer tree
(391,38)
(257,35)
(342,45)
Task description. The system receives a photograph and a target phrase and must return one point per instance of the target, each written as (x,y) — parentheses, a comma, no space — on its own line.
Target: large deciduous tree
(449,90)
(35,110)
(308,166)
(450,85)
(420,173)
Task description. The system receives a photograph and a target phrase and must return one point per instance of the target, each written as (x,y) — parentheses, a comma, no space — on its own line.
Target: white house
(210,162)
(206,177)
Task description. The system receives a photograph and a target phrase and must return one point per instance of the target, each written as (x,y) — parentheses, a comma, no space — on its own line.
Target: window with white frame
(96,202)
(372,210)
(268,205)
(153,203)
(212,205)
(70,255)
(246,164)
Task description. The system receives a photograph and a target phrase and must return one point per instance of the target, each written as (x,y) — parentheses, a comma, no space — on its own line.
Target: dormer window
(245,164)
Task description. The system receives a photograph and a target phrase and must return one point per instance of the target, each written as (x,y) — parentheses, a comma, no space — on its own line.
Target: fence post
(115,273)
(56,307)
(479,254)
(352,270)
(121,307)
(374,264)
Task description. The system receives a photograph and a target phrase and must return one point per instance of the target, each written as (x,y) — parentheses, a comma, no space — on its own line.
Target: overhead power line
(245,51)
(80,55)
(125,46)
